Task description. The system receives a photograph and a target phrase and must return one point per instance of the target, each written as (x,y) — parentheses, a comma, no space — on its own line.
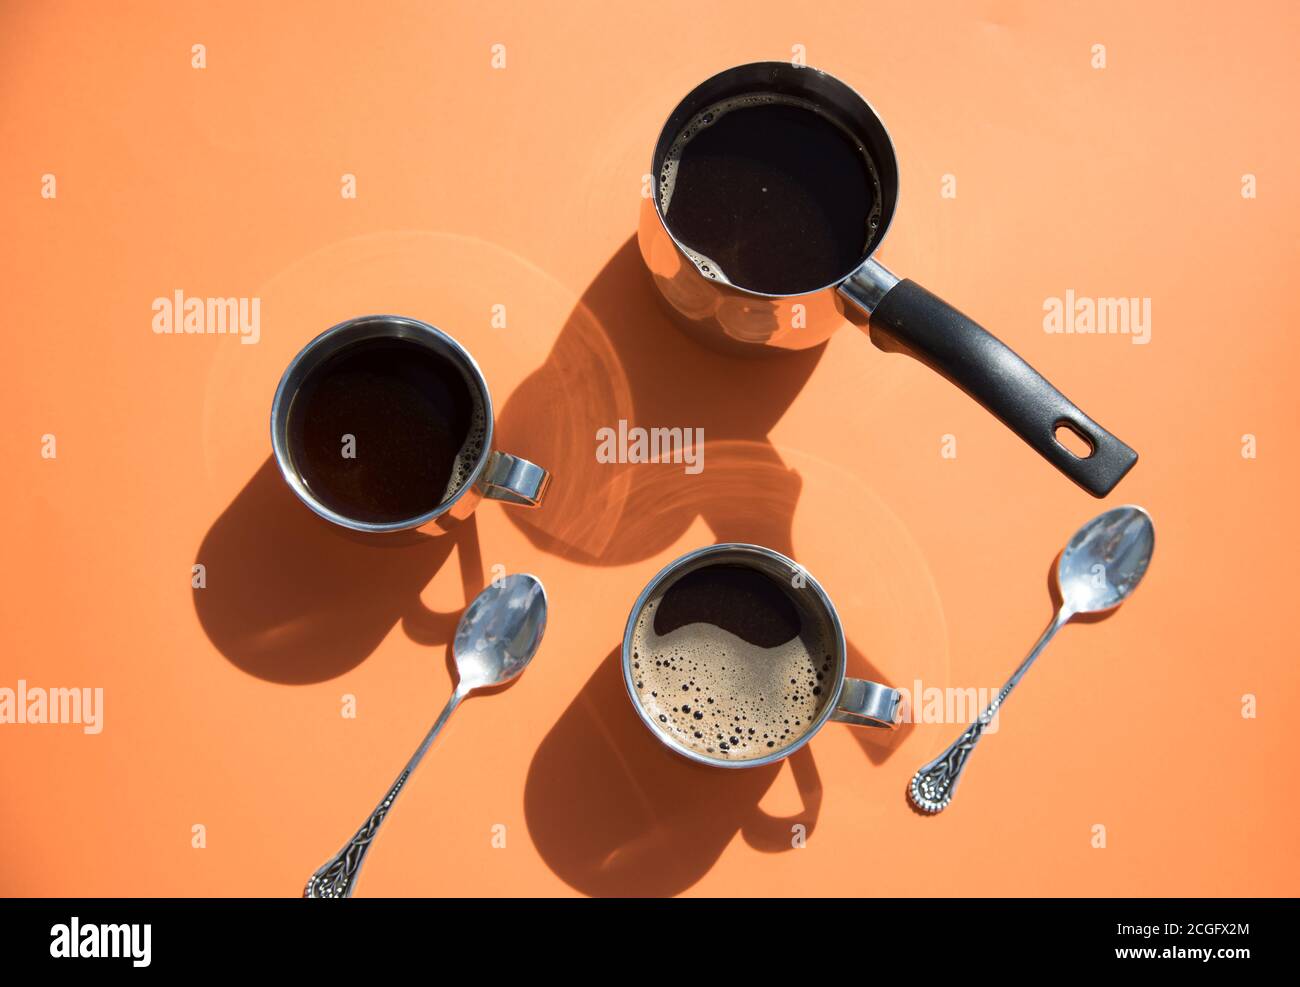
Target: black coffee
(732,662)
(385,430)
(771,195)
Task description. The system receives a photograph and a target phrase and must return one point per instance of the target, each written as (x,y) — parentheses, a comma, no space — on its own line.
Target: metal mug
(908,317)
(496,475)
(855,701)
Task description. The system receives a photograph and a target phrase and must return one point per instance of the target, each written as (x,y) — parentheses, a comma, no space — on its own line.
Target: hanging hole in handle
(1070,438)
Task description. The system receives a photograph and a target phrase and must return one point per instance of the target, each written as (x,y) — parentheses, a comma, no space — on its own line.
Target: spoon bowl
(1105,560)
(500,631)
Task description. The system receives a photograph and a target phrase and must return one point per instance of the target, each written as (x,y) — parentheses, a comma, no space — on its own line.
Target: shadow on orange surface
(620,357)
(613,812)
(291,598)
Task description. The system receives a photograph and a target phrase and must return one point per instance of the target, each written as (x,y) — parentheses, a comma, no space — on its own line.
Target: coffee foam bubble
(715,693)
(472,448)
(667,178)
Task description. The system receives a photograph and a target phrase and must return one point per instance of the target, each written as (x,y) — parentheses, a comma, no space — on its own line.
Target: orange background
(520,186)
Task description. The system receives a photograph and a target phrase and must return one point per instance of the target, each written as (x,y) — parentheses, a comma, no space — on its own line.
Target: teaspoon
(1099,568)
(497,636)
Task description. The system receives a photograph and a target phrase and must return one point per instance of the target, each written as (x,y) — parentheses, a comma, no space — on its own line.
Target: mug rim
(679,566)
(889,141)
(282,403)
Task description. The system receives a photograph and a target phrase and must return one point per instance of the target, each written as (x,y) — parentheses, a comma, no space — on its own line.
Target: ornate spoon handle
(933,786)
(337,877)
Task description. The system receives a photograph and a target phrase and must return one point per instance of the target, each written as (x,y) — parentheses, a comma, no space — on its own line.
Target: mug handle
(867,704)
(514,480)
(989,371)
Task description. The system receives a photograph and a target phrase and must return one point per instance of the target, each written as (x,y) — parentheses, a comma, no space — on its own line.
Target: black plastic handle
(990,372)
